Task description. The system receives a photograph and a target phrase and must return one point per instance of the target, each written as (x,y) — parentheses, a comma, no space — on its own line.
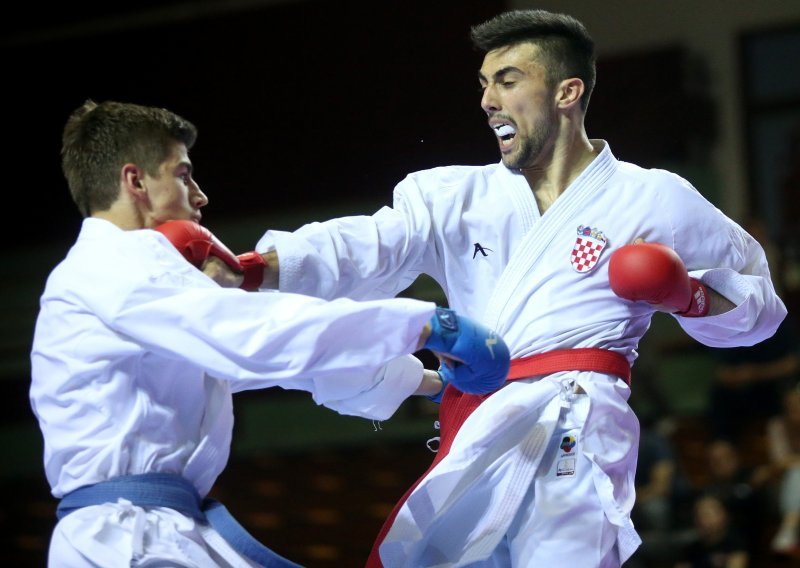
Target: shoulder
(628,177)
(664,192)
(105,255)
(451,176)
(447,184)
(656,178)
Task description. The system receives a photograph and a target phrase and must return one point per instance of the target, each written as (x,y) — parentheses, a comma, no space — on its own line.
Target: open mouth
(505,134)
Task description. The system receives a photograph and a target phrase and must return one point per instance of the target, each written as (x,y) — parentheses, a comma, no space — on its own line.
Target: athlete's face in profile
(173,194)
(520,104)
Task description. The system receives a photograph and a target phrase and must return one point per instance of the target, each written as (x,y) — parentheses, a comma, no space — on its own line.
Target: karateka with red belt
(566,251)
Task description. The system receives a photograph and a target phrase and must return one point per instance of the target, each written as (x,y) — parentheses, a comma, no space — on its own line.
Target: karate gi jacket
(540,281)
(136,354)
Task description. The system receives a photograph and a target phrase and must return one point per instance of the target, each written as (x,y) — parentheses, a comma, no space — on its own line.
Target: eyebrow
(500,73)
(184,164)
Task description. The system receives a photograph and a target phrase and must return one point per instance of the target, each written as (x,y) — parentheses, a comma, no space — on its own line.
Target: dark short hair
(567,49)
(98,139)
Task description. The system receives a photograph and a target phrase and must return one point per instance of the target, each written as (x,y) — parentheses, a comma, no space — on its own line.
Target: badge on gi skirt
(587,250)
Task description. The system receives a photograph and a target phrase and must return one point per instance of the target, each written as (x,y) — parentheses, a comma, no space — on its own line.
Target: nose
(489,101)
(199,199)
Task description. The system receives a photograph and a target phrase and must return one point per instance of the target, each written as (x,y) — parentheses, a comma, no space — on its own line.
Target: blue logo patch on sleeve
(447,319)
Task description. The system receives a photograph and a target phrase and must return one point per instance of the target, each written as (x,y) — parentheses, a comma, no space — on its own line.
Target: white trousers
(561,519)
(124,535)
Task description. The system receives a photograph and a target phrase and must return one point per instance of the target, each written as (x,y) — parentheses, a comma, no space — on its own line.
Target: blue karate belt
(174,492)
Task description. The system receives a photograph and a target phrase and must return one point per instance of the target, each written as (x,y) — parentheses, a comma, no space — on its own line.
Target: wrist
(430,384)
(271,270)
(700,300)
(436,384)
(253,266)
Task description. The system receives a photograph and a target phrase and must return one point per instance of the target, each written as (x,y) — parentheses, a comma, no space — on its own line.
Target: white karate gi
(507,493)
(135,356)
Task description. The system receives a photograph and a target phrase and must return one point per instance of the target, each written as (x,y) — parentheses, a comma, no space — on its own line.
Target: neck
(570,155)
(122,215)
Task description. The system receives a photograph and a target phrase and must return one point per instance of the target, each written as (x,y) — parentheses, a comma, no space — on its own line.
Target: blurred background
(309,109)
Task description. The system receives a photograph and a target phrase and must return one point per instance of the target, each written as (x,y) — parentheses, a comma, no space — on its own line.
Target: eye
(508,84)
(186,178)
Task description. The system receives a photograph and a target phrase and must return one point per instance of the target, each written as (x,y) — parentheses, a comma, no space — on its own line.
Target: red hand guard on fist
(196,243)
(654,273)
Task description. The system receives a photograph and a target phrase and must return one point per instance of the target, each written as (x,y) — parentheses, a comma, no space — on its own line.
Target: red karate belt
(456,406)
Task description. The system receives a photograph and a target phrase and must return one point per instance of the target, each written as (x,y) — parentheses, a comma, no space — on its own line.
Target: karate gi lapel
(541,229)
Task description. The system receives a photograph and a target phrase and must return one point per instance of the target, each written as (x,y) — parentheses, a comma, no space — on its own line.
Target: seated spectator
(655,479)
(717,540)
(738,486)
(663,493)
(784,449)
(749,383)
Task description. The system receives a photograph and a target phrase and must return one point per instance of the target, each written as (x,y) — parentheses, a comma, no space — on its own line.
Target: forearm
(361,257)
(718,304)
(221,273)
(269,335)
(377,398)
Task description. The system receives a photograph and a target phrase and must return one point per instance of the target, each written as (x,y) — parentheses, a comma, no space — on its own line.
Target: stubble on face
(531,146)
(522,96)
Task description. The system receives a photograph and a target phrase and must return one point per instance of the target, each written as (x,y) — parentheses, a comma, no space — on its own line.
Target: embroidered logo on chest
(588,247)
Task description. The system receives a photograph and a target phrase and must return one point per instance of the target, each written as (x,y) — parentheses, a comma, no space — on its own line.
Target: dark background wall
(298,103)
(307,109)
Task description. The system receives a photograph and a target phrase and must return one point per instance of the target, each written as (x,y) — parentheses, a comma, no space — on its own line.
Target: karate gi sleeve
(391,385)
(336,349)
(717,251)
(359,257)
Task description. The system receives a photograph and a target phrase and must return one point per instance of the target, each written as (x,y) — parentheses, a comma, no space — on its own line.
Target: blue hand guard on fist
(485,355)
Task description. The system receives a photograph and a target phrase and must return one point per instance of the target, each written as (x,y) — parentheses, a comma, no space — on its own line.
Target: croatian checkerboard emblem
(587,250)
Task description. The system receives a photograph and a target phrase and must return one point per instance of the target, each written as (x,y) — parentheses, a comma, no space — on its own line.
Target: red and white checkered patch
(586,253)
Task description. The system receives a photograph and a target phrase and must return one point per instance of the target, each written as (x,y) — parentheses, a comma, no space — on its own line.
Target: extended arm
(359,257)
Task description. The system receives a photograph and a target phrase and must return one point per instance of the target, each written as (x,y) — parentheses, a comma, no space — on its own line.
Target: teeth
(505,130)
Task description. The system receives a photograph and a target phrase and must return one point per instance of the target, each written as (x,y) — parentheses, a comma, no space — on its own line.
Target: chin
(510,162)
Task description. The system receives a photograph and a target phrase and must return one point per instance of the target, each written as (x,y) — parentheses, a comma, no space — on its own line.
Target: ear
(569,93)
(132,181)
